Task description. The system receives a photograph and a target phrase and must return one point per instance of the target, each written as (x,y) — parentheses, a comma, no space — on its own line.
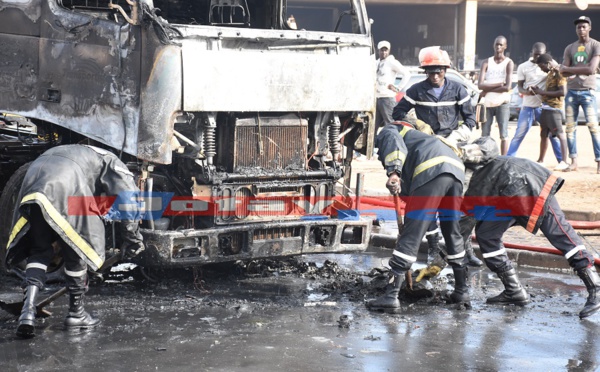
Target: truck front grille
(265,144)
(278,233)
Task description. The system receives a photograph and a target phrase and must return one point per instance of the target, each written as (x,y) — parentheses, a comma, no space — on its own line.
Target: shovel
(15,308)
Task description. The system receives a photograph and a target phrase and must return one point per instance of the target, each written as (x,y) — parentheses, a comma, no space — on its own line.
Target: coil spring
(334,137)
(210,142)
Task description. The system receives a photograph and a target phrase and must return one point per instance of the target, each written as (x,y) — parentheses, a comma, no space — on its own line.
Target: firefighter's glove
(461,134)
(422,126)
(132,239)
(393,183)
(130,250)
(450,142)
(428,272)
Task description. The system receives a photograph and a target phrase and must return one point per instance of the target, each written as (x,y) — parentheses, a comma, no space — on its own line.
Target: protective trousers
(41,254)
(555,228)
(443,194)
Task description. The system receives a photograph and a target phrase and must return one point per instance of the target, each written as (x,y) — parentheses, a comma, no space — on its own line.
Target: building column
(469,33)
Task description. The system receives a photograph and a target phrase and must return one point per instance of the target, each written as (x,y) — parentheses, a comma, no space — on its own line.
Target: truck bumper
(186,248)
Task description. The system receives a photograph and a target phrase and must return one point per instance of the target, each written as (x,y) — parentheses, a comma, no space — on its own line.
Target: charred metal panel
(87,79)
(20,17)
(160,100)
(262,201)
(79,65)
(275,81)
(18,72)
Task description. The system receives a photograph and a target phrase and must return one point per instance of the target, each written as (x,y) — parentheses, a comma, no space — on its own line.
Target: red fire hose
(532,248)
(581,225)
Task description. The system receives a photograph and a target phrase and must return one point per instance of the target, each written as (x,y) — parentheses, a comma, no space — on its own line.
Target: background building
(466,28)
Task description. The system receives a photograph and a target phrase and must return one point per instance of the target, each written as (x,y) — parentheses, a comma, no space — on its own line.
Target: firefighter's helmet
(434,57)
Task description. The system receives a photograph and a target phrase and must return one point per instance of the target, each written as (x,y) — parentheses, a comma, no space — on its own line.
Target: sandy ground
(580,191)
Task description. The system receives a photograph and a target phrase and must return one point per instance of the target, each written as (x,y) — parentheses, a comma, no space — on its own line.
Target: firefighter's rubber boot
(460,295)
(514,293)
(78,317)
(592,283)
(471,259)
(26,327)
(388,302)
(433,240)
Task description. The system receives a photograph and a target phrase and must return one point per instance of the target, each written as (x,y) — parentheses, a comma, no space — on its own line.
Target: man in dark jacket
(525,196)
(48,211)
(439,103)
(430,174)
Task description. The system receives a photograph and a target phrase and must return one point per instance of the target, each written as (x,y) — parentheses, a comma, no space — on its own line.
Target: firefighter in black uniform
(46,214)
(431,175)
(527,190)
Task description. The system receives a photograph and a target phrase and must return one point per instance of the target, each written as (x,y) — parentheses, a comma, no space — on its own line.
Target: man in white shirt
(495,82)
(387,69)
(529,75)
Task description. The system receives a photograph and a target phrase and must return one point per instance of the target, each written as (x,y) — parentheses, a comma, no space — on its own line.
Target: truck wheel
(8,203)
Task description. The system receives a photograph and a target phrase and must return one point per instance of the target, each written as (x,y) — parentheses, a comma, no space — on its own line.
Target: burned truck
(238,117)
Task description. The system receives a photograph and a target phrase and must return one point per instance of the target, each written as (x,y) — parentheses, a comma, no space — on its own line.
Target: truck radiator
(264,144)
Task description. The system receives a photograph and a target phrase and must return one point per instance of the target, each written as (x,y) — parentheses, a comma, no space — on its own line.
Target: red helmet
(434,56)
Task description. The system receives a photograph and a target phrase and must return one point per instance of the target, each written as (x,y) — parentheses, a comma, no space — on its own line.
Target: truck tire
(8,203)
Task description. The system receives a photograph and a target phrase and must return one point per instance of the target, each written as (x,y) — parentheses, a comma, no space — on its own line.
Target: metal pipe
(186,140)
(149,187)
(360,182)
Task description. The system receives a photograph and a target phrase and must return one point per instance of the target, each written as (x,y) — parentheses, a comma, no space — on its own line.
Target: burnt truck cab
(239,117)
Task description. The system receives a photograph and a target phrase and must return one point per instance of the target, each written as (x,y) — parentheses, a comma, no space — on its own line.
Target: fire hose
(580,225)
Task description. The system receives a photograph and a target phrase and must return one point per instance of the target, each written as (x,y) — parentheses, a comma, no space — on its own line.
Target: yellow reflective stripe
(435,161)
(395,155)
(64,225)
(16,229)
(404,130)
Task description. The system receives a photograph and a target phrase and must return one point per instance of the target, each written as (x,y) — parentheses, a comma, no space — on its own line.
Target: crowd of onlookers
(553,89)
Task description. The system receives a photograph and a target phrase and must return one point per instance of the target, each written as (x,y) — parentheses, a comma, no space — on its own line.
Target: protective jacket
(417,157)
(63,183)
(442,113)
(524,188)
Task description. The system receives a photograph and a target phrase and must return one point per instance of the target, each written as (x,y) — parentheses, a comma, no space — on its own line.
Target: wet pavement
(307,314)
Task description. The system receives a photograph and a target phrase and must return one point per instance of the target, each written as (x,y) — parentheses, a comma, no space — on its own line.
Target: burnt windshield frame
(335,17)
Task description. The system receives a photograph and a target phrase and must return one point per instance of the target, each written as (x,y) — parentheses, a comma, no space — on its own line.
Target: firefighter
(528,191)
(47,213)
(439,103)
(516,177)
(430,174)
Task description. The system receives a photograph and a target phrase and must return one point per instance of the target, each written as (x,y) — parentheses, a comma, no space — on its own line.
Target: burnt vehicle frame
(209,98)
